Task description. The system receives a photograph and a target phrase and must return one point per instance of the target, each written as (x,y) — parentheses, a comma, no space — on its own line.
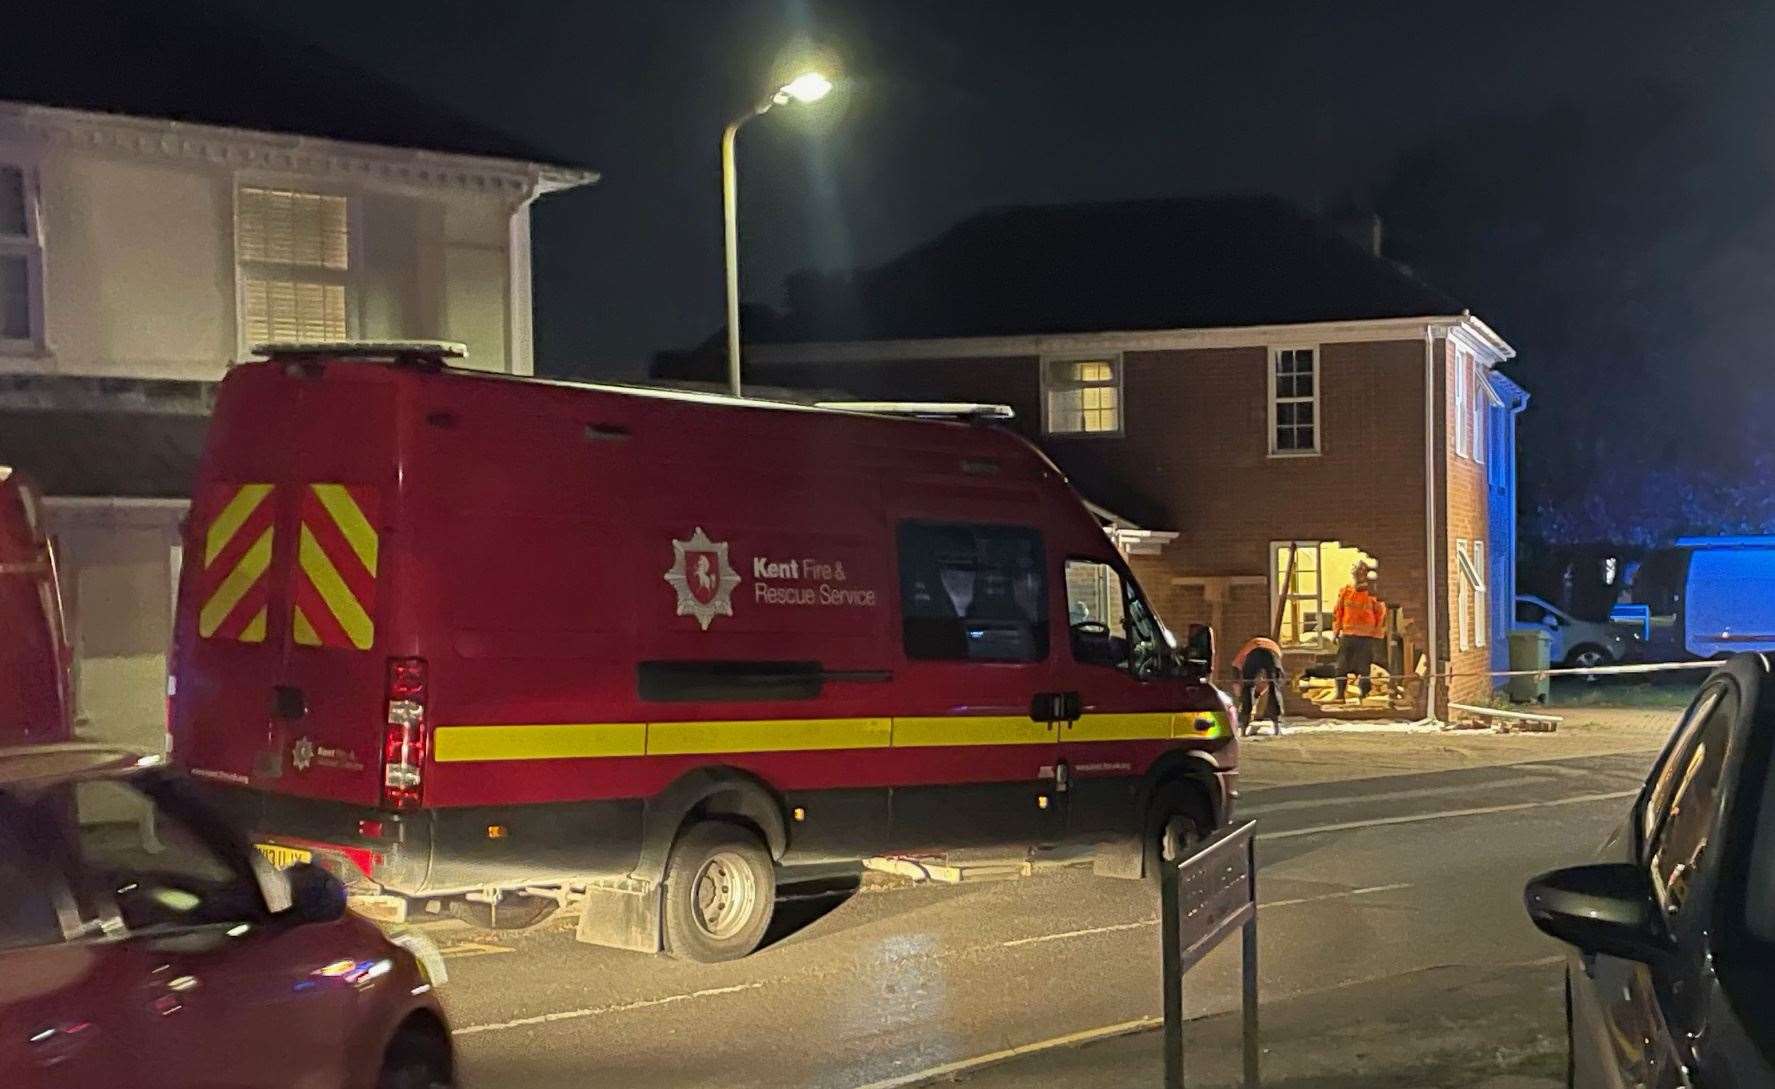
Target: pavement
(1394,950)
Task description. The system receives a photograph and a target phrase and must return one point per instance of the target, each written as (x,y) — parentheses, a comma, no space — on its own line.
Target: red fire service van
(499,644)
(35,703)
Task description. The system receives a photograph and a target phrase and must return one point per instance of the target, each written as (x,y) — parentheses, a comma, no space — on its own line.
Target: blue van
(1709,597)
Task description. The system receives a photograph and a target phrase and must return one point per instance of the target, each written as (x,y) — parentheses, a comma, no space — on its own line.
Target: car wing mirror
(1606,908)
(316,896)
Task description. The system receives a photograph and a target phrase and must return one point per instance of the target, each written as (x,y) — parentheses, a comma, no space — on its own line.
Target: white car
(1577,644)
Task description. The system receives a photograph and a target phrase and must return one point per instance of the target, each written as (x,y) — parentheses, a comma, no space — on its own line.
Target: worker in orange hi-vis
(1360,624)
(1259,663)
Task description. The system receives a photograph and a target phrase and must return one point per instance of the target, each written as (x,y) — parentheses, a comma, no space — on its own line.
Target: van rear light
(405,734)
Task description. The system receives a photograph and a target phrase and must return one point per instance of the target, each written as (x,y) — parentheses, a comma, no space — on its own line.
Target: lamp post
(807,87)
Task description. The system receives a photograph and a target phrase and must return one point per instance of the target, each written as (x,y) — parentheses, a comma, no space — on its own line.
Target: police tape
(1551,671)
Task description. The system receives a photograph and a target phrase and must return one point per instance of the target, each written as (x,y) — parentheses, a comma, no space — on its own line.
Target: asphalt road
(1360,881)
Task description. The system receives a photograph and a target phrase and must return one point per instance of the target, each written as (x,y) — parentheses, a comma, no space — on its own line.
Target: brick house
(1258,400)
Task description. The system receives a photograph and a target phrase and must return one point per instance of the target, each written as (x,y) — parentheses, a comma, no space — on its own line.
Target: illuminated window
(1306,578)
(21,260)
(1294,402)
(294,254)
(1083,396)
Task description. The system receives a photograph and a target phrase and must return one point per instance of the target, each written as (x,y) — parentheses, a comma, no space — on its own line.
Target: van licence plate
(284,857)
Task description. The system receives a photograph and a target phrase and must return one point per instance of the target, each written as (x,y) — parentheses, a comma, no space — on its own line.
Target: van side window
(1108,624)
(972,593)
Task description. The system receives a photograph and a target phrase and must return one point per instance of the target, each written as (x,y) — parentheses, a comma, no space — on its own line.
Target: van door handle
(288,702)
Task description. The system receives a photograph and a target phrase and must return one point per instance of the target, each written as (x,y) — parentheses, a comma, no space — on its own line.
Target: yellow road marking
(332,588)
(231,517)
(252,565)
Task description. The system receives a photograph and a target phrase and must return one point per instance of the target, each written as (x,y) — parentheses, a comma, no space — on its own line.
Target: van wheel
(1176,821)
(721,889)
(515,911)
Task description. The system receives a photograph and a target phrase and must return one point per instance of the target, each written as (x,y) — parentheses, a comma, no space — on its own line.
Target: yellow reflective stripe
(1188,724)
(252,564)
(767,735)
(913,733)
(1119,727)
(356,529)
(230,518)
(254,632)
(332,589)
(304,629)
(562,741)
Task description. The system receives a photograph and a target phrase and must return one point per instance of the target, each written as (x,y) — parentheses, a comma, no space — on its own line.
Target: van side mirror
(1198,648)
(1603,908)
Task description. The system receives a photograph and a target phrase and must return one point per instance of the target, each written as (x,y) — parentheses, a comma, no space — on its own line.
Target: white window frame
(1275,356)
(1481,619)
(1278,565)
(1469,587)
(1462,420)
(1049,386)
(30,247)
(351,277)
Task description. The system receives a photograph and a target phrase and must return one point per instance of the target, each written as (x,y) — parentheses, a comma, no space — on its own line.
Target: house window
(21,260)
(294,254)
(1482,398)
(1469,596)
(1083,396)
(1480,616)
(1460,419)
(1306,578)
(1294,402)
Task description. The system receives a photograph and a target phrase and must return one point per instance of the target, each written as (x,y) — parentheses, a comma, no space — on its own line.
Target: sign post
(1203,899)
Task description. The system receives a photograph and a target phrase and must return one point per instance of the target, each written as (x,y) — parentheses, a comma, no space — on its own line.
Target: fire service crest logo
(302,754)
(703,578)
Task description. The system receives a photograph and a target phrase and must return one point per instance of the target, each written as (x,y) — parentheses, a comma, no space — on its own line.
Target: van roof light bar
(388,351)
(926,410)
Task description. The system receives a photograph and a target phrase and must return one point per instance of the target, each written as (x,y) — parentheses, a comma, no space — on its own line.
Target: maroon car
(143,944)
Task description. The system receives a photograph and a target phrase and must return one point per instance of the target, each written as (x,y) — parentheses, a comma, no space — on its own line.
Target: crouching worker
(1259,663)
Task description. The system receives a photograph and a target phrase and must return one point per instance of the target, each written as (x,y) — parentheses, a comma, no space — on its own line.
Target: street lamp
(807,87)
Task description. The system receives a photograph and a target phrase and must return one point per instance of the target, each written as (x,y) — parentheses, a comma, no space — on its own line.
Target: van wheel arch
(721,794)
(1187,769)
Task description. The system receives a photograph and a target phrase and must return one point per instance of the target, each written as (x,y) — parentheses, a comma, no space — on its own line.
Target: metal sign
(1204,899)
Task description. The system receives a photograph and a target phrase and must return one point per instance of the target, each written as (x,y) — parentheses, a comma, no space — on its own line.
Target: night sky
(1593,180)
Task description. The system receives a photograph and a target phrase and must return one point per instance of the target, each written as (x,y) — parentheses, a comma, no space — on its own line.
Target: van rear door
(1731,601)
(279,674)
(329,705)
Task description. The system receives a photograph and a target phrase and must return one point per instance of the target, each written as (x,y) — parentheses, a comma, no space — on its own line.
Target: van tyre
(721,889)
(1176,822)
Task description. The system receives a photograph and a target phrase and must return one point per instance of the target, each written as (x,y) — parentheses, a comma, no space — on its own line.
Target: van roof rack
(926,410)
(391,351)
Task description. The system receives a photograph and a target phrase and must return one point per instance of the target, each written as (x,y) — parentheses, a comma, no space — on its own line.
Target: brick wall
(1462,486)
(1194,458)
